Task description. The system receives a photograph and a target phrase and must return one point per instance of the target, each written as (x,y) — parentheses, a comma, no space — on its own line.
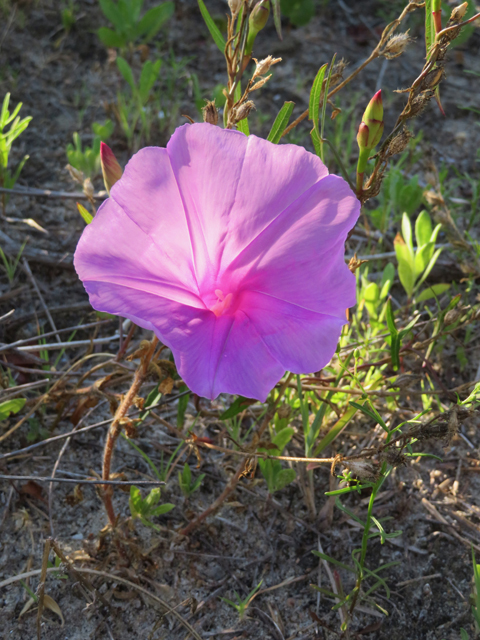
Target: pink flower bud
(112,171)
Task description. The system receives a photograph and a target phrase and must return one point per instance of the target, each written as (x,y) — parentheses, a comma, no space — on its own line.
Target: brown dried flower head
(234,6)
(243,110)
(459,12)
(210,113)
(263,66)
(355,263)
(396,45)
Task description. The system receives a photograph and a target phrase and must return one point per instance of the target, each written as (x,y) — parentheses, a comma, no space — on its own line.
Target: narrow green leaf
(432,292)
(212,27)
(86,215)
(323,556)
(281,122)
(324,106)
(126,71)
(243,126)
(277,17)
(429,27)
(239,405)
(315,95)
(336,430)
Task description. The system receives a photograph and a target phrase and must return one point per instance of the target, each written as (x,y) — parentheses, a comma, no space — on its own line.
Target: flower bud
(112,171)
(256,22)
(370,134)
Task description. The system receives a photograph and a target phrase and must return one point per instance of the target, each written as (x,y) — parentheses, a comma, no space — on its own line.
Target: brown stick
(41,587)
(115,427)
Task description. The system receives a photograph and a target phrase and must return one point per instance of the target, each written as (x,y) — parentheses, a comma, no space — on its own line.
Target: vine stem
(116,426)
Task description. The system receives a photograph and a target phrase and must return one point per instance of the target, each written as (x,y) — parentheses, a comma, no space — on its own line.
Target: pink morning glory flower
(231,249)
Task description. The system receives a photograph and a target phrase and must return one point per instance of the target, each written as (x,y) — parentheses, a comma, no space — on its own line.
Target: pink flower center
(223,303)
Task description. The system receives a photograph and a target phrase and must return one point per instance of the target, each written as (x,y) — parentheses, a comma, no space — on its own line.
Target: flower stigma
(223,303)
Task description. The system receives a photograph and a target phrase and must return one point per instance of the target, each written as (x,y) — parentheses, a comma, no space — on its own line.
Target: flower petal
(302,341)
(235,189)
(114,249)
(299,256)
(213,355)
(148,193)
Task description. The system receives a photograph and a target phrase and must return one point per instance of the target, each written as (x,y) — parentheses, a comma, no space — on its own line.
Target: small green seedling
(373,295)
(414,266)
(242,605)
(132,108)
(88,160)
(475,597)
(146,509)
(128,26)
(275,475)
(11,264)
(16,128)
(185,481)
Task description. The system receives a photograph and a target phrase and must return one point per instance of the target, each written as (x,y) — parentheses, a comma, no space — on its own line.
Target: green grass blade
(281,122)
(212,27)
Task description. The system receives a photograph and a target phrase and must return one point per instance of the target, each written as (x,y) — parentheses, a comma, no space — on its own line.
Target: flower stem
(116,426)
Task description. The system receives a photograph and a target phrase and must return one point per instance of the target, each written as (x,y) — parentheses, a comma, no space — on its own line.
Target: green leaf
(281,122)
(315,95)
(407,232)
(283,438)
(148,77)
(277,17)
(429,27)
(212,27)
(335,431)
(237,406)
(111,12)
(432,292)
(111,39)
(323,556)
(284,477)
(242,126)
(11,406)
(86,215)
(163,508)
(423,229)
(394,337)
(430,266)
(126,71)
(154,19)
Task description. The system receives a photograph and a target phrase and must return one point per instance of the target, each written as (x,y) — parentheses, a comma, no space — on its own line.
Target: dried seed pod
(263,66)
(452,316)
(210,113)
(243,110)
(362,469)
(396,45)
(458,13)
